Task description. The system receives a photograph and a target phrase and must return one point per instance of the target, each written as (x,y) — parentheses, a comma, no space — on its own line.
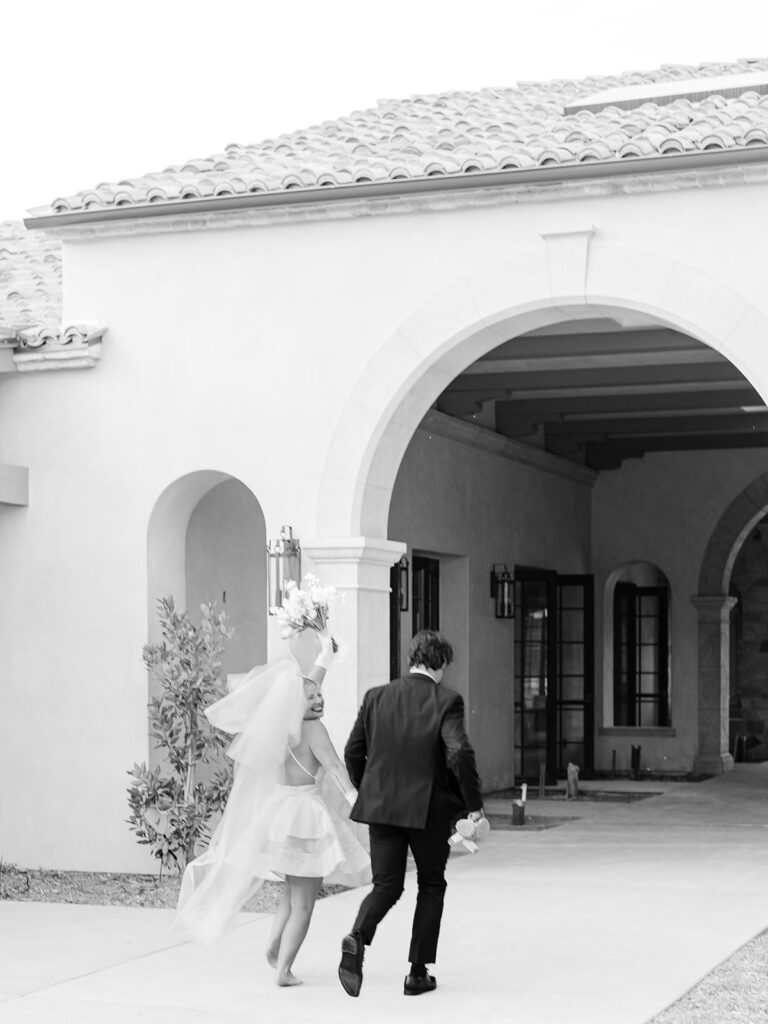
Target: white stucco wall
(296,357)
(457,499)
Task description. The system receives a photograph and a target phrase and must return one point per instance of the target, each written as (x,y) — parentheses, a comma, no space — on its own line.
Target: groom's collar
(423,675)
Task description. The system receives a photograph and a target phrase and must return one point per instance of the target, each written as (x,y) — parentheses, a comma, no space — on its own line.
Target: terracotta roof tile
(456,133)
(30,279)
(30,306)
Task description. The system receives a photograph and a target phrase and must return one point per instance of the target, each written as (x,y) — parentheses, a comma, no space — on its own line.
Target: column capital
(359,569)
(354,549)
(713,608)
(354,563)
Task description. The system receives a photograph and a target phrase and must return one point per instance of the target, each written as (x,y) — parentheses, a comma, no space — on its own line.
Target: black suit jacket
(409,756)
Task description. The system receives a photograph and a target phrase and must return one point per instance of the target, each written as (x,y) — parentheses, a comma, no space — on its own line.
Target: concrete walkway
(603,919)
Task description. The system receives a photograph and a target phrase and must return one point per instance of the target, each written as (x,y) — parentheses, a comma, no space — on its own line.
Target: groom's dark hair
(430,649)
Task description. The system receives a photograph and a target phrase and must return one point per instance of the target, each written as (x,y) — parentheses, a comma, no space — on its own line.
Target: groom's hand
(476,815)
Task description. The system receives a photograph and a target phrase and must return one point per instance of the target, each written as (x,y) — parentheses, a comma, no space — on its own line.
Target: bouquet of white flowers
(307,608)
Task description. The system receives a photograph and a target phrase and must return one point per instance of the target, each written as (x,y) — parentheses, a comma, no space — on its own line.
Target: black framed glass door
(535,656)
(640,655)
(395,626)
(425,596)
(575,735)
(554,673)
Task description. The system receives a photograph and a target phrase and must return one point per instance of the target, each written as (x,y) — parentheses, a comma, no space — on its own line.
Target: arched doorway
(571,277)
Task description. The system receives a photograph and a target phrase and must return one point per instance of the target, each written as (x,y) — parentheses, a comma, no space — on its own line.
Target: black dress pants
(389,854)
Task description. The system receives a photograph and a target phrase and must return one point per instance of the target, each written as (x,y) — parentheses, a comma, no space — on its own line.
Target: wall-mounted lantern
(503,591)
(402,584)
(284,565)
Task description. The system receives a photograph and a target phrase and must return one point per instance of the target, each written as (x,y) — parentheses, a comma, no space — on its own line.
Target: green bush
(170,806)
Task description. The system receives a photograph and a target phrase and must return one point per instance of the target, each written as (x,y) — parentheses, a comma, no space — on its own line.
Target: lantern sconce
(402,584)
(284,565)
(503,591)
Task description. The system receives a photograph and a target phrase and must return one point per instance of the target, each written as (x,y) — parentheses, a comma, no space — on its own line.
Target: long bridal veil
(265,712)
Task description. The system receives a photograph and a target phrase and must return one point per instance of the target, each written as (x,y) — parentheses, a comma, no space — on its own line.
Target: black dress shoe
(414,986)
(351,966)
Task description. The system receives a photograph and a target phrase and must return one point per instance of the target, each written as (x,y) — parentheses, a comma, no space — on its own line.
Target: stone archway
(568,275)
(734,525)
(714,606)
(564,275)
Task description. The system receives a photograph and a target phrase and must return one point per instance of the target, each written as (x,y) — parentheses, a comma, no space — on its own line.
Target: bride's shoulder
(316,735)
(313,727)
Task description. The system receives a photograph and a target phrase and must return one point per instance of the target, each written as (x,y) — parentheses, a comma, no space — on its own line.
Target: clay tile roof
(30,279)
(674,110)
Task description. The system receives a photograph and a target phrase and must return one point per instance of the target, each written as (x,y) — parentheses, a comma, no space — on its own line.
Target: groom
(410,759)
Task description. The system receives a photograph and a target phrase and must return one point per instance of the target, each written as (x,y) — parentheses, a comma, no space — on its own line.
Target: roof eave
(546,175)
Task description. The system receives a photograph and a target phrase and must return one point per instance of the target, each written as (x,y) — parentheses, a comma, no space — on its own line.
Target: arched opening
(225,563)
(566,279)
(206,542)
(603,378)
(733,625)
(748,698)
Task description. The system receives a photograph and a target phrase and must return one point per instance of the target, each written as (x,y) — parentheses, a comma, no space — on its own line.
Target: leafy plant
(170,805)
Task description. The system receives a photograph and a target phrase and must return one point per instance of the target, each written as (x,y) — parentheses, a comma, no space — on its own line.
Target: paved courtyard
(604,918)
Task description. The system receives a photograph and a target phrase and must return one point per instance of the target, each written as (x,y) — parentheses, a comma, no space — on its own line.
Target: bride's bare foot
(286,978)
(271,955)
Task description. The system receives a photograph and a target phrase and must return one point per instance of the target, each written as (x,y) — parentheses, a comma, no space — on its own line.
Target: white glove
(325,657)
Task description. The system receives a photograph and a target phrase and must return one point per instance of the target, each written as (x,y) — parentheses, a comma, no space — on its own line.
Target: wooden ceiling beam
(699,442)
(597,343)
(599,377)
(590,360)
(540,409)
(637,446)
(726,422)
(463,403)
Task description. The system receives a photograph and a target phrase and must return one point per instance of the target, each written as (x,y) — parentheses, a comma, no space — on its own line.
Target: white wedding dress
(268,828)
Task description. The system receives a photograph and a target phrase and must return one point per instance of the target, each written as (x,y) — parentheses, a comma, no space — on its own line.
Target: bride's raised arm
(325,752)
(322,662)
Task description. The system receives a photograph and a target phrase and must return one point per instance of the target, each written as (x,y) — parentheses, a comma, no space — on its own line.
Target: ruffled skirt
(267,833)
(305,836)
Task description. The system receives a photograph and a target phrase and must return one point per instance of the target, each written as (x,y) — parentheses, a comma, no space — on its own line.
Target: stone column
(359,569)
(714,615)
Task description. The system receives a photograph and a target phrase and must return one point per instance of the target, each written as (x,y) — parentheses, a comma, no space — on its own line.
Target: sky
(96,91)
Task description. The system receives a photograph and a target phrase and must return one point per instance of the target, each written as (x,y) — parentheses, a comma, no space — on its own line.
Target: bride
(287,813)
